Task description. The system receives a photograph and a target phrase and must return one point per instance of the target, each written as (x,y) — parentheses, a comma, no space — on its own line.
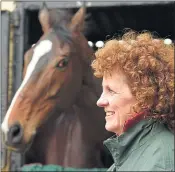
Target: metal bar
(5,21)
(18,17)
(92,3)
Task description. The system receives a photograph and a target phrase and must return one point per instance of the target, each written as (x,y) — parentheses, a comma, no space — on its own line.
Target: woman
(138,98)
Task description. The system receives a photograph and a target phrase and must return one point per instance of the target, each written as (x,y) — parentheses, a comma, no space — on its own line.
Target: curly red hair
(148,64)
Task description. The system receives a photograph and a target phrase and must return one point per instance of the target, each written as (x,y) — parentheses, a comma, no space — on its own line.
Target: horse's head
(53,75)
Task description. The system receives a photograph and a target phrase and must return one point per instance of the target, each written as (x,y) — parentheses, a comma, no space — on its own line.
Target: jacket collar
(121,146)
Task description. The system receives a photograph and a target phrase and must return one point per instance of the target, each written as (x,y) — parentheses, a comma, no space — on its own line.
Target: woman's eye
(111,91)
(62,63)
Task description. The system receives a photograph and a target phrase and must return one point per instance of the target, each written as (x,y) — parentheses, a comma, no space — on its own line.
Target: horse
(53,117)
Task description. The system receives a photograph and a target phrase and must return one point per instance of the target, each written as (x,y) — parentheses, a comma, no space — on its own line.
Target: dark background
(105,22)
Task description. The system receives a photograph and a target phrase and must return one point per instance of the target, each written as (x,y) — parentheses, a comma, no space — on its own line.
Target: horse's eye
(62,63)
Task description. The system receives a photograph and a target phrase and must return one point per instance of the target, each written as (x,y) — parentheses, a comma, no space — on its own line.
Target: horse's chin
(20,148)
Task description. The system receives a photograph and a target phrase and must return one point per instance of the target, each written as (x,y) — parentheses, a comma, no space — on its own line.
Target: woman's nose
(102,102)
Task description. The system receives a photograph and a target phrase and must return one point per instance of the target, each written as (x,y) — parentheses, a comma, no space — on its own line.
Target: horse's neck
(73,131)
(66,134)
(66,125)
(79,129)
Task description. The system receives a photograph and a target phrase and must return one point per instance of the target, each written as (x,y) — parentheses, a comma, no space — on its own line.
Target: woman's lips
(109,113)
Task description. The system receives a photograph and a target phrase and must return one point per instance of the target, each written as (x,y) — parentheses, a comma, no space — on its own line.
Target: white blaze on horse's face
(42,48)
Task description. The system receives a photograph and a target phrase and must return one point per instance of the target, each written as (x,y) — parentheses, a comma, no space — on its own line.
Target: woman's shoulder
(161,140)
(164,138)
(163,149)
(157,152)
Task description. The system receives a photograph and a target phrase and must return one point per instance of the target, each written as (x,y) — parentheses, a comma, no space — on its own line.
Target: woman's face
(117,101)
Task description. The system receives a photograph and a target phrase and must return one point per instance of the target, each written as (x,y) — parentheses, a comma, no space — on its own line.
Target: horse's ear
(44,18)
(77,22)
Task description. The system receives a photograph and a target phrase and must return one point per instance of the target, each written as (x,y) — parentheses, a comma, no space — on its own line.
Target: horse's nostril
(16,131)
(15,134)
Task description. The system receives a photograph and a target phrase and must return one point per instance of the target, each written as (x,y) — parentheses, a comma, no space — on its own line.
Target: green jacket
(148,146)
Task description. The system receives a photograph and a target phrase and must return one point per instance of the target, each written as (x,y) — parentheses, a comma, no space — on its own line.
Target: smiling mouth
(109,113)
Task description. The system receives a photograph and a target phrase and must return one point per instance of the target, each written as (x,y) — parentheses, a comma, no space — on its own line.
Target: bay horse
(53,117)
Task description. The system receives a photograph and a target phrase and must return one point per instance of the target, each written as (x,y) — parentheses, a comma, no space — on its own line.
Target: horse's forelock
(59,17)
(59,21)
(63,34)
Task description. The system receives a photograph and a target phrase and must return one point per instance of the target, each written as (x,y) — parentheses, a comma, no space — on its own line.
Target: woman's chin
(114,129)
(109,128)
